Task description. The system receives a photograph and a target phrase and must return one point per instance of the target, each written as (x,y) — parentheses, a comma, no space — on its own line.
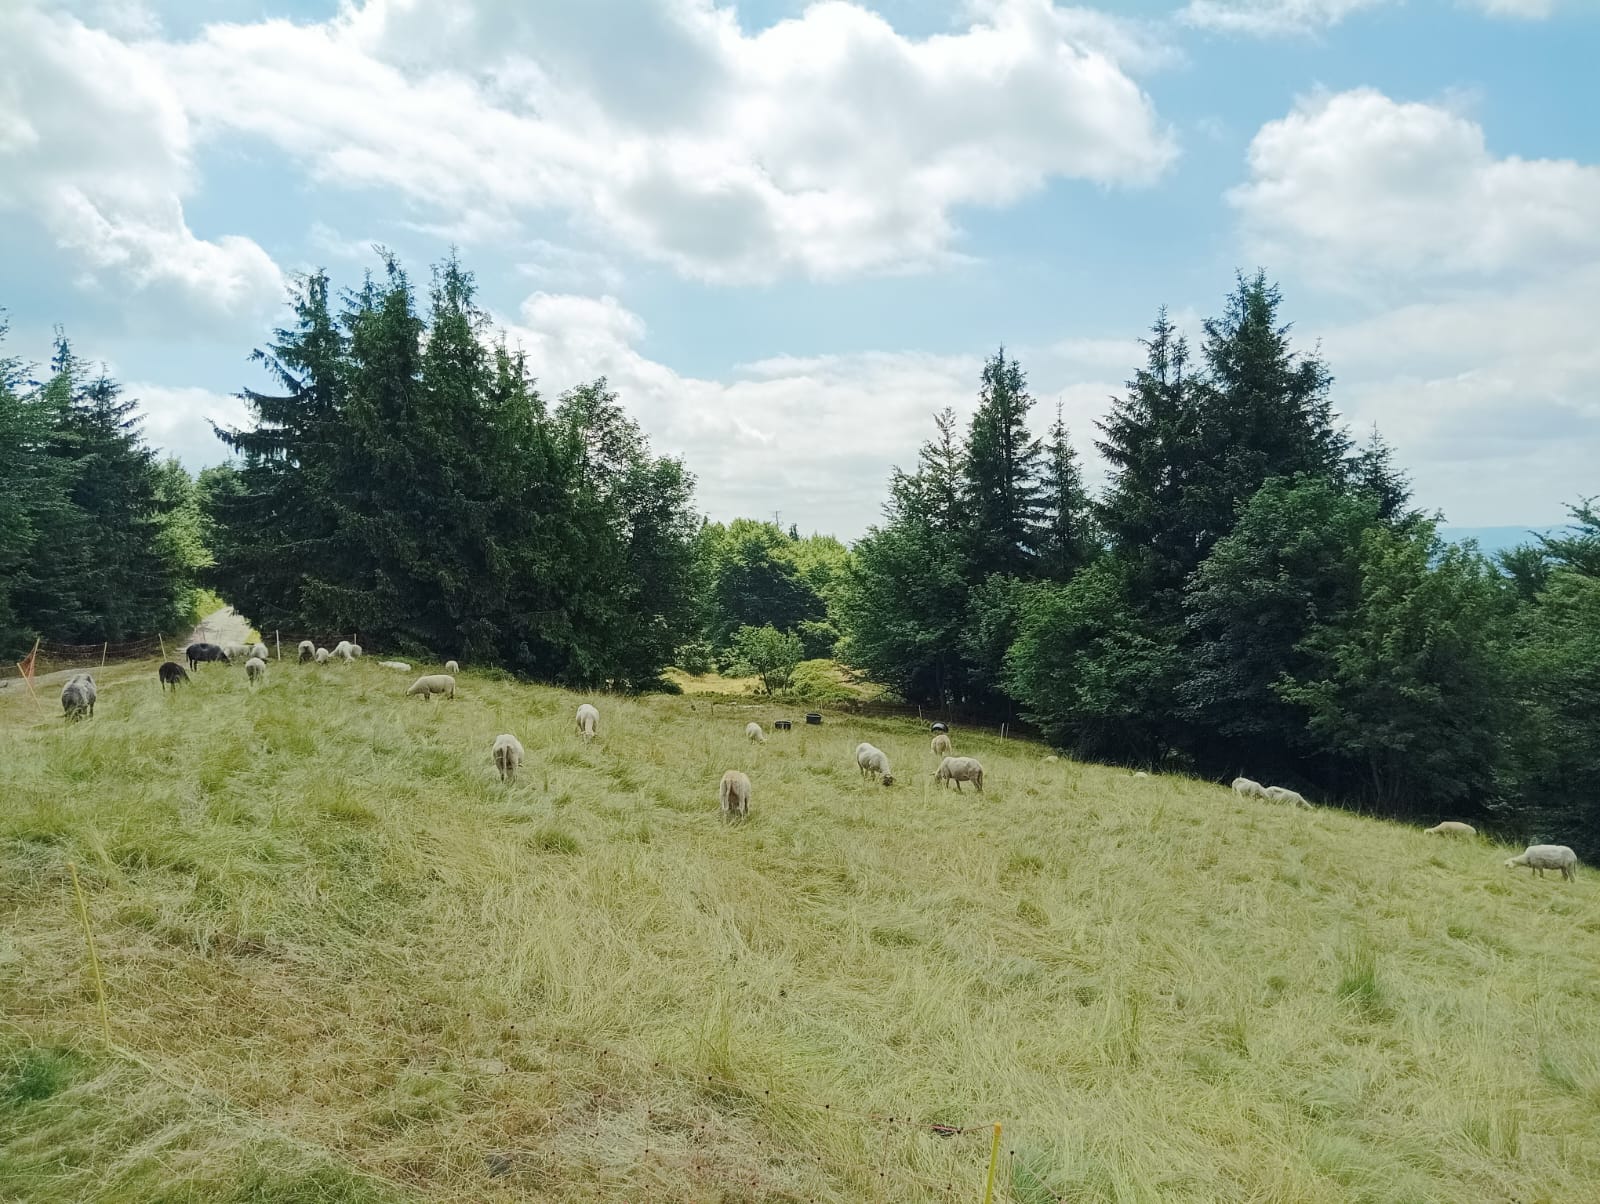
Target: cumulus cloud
(826,145)
(1356,186)
(814,436)
(96,150)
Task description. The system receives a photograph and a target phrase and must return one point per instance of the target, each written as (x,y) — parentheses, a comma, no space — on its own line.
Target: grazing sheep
(753,731)
(451,667)
(1282,794)
(355,651)
(734,794)
(872,762)
(1451,827)
(77,696)
(171,674)
(402,666)
(1051,759)
(342,650)
(198,653)
(1245,788)
(1140,774)
(507,756)
(322,655)
(941,745)
(308,651)
(588,722)
(1541,857)
(236,651)
(433,683)
(255,669)
(260,653)
(958,770)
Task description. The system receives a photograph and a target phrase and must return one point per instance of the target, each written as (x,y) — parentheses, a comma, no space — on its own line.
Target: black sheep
(171,674)
(205,652)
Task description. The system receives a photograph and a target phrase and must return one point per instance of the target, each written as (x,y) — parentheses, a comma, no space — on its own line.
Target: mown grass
(345,963)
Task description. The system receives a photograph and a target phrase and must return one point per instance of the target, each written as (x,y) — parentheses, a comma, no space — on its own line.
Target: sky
(788,233)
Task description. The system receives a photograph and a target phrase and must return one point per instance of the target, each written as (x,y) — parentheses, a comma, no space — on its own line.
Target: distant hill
(1495,539)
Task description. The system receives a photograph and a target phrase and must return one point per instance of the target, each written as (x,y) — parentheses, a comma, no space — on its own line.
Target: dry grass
(346,964)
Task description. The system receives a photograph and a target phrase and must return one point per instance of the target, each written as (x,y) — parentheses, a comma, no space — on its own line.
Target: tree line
(1252,593)
(99,539)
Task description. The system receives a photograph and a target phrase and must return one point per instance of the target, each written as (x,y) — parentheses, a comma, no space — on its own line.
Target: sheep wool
(734,794)
(507,756)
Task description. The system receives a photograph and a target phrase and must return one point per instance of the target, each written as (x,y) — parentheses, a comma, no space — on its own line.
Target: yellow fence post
(994,1160)
(94,958)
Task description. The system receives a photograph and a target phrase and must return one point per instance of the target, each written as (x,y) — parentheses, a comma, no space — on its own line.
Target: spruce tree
(1001,493)
(1066,537)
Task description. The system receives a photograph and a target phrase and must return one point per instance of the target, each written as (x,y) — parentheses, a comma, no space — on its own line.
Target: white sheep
(308,651)
(355,650)
(434,683)
(507,756)
(321,656)
(958,770)
(941,745)
(588,722)
(753,731)
(259,652)
(734,794)
(342,650)
(255,669)
(1541,857)
(1246,788)
(1051,759)
(1451,827)
(402,666)
(872,762)
(452,667)
(1139,774)
(237,651)
(1282,794)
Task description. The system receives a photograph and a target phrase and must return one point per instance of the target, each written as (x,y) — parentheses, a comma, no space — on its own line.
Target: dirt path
(223,626)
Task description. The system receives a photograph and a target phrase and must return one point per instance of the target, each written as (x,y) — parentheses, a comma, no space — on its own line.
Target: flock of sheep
(1537,857)
(733,792)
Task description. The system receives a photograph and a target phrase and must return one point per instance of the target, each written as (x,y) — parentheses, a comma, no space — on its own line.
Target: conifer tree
(1001,493)
(1066,537)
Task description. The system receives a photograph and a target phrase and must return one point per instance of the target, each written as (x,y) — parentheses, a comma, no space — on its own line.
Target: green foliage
(97,541)
(1407,689)
(409,484)
(815,681)
(753,576)
(769,653)
(1001,491)
(1092,674)
(1553,768)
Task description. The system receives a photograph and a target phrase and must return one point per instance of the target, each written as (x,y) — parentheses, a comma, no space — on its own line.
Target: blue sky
(787,233)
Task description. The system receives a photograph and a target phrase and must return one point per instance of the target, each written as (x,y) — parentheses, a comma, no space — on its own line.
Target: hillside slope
(345,963)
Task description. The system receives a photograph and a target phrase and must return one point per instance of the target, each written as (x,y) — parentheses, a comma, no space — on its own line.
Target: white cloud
(178,420)
(95,149)
(1487,395)
(1269,18)
(1356,187)
(1278,18)
(814,437)
(825,145)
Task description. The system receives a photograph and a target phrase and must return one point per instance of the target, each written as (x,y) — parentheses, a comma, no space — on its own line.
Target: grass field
(345,964)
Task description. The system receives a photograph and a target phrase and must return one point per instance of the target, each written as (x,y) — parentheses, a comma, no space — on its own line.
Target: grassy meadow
(346,964)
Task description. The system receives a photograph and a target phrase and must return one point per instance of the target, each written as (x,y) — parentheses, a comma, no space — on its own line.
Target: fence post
(163,643)
(94,958)
(103,648)
(994,1158)
(277,645)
